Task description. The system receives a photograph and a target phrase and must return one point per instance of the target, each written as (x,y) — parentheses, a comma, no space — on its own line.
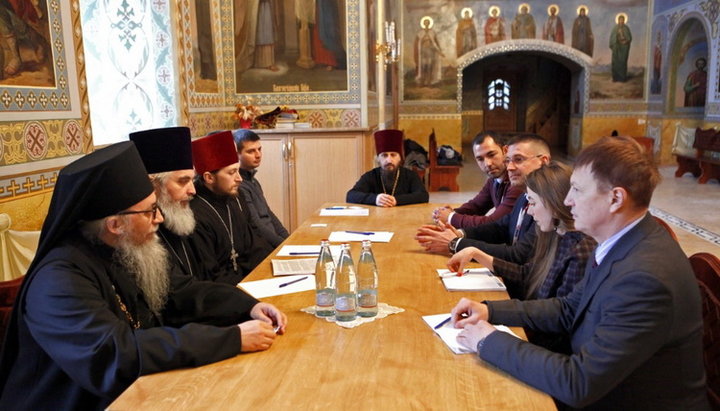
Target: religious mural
(690,54)
(659,59)
(288,46)
(438,32)
(25,53)
(204,61)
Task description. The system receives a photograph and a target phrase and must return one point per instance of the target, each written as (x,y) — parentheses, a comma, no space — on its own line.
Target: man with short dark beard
(97,308)
(227,247)
(390,184)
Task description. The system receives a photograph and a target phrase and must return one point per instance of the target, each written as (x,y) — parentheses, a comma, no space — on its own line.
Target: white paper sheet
(475,279)
(271,287)
(449,334)
(345,211)
(294,266)
(360,235)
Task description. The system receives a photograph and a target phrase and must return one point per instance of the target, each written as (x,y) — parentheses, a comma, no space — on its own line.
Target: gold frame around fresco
(63,100)
(46,123)
(225,97)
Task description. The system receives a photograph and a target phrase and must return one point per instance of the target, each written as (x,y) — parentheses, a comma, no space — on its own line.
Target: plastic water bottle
(325,282)
(367,278)
(346,298)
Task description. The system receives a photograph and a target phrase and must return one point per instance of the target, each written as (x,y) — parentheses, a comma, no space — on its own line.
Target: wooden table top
(392,363)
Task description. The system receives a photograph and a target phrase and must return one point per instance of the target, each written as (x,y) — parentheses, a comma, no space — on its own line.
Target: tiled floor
(692,209)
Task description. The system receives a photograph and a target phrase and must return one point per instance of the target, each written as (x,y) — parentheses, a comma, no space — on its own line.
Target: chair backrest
(8,292)
(707,272)
(432,149)
(667,227)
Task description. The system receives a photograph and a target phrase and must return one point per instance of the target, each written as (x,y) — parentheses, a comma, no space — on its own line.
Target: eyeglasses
(518,159)
(154,209)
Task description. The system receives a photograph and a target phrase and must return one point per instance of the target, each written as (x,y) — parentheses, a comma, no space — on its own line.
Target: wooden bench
(708,155)
(441,177)
(704,163)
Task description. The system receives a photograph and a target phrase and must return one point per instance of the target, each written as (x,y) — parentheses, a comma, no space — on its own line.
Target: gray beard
(178,219)
(148,265)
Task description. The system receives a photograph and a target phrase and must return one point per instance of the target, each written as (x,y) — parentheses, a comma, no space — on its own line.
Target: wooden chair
(441,177)
(667,227)
(706,145)
(707,272)
(8,292)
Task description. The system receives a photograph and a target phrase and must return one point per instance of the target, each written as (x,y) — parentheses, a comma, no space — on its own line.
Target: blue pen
(360,232)
(292,282)
(334,208)
(445,321)
(304,253)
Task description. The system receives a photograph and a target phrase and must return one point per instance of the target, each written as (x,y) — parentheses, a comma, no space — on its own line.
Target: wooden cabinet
(302,169)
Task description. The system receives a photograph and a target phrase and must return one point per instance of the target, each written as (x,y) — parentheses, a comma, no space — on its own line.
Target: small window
(499,94)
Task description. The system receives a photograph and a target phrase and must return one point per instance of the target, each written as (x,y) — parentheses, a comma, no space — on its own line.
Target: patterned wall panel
(130,66)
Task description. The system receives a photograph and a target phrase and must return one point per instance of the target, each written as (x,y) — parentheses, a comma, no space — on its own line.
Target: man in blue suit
(503,238)
(634,321)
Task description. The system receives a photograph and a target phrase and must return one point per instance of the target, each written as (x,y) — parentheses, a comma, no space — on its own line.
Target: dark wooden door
(501,101)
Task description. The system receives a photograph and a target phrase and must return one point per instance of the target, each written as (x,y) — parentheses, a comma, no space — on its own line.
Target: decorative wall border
(19,186)
(201,123)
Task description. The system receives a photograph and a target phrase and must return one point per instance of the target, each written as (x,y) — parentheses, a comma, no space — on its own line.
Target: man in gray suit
(634,321)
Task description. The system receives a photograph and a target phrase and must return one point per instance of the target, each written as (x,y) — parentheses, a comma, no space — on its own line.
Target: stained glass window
(498,94)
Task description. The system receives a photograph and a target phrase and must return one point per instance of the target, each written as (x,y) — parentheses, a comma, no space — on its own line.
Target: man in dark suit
(634,321)
(503,238)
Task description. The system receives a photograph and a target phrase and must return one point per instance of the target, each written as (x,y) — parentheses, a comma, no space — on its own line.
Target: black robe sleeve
(205,302)
(365,191)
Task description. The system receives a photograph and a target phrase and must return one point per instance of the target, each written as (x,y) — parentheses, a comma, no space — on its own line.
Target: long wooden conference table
(392,363)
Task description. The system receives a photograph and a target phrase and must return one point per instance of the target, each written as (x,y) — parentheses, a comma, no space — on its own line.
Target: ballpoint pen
(335,208)
(445,321)
(293,281)
(304,253)
(360,232)
(455,274)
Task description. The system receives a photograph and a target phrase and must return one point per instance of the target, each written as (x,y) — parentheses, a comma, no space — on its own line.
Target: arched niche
(689,45)
(577,64)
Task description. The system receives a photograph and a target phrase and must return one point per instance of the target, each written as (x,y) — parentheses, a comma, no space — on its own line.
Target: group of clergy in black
(135,273)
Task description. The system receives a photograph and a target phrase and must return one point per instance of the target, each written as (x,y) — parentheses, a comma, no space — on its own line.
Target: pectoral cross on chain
(233,257)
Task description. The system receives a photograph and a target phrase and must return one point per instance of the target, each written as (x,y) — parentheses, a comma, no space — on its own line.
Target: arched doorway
(525,86)
(688,85)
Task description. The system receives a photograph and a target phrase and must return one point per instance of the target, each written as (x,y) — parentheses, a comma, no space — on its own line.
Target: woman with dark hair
(561,253)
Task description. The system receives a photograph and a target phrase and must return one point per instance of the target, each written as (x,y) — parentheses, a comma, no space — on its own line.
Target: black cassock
(72,345)
(216,217)
(409,190)
(180,251)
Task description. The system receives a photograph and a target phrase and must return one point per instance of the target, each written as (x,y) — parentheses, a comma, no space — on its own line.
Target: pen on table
(335,208)
(293,281)
(445,321)
(304,253)
(360,232)
(455,274)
